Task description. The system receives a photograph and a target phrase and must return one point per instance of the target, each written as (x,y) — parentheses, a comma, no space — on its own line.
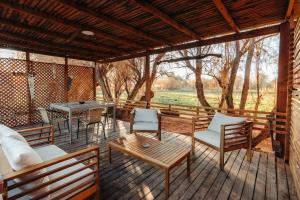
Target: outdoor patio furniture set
(32,166)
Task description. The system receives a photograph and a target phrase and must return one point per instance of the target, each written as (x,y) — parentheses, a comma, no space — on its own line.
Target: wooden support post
(66,79)
(148,81)
(29,70)
(282,81)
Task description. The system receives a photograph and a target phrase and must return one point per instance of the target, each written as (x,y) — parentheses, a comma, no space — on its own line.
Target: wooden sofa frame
(240,132)
(158,132)
(88,156)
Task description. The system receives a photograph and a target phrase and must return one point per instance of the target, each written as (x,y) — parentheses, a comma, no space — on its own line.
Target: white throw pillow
(6,131)
(20,156)
(145,115)
(221,119)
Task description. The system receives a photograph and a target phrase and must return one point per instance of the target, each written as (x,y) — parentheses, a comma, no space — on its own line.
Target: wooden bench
(69,176)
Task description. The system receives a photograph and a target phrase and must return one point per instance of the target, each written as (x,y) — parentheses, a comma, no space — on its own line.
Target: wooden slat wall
(295,110)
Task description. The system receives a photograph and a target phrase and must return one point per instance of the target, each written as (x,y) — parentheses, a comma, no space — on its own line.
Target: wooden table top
(159,153)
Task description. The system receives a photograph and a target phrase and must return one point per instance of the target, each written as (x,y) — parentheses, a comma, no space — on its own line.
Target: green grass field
(183,97)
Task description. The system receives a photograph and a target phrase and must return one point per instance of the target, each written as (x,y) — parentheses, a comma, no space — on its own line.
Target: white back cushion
(6,131)
(20,155)
(145,115)
(220,119)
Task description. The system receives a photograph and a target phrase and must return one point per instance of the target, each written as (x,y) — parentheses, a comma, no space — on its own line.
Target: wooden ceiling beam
(289,10)
(111,21)
(64,48)
(148,7)
(7,43)
(224,12)
(204,42)
(81,42)
(74,25)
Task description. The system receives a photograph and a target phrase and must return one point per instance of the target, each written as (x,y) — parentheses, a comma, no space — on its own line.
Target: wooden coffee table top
(161,154)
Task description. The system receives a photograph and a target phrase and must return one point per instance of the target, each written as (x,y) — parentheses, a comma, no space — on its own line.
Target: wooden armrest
(88,156)
(200,122)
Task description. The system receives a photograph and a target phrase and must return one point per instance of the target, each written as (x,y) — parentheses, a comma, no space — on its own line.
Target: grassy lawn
(183,97)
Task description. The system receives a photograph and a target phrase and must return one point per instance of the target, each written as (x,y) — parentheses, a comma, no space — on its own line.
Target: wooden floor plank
(291,184)
(251,177)
(282,185)
(230,179)
(261,179)
(209,180)
(271,187)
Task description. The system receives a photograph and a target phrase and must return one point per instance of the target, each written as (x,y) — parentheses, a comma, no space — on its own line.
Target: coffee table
(162,155)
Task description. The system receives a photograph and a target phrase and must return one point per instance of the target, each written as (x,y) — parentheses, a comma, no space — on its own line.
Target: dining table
(78,107)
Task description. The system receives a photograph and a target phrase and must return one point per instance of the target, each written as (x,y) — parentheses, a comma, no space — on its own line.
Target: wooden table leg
(188,164)
(167,182)
(109,154)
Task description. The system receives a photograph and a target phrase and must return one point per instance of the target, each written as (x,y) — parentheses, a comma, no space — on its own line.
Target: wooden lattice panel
(14,99)
(49,86)
(81,88)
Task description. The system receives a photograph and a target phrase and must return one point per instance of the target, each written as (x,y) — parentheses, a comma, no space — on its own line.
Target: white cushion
(49,152)
(221,119)
(145,126)
(209,137)
(6,131)
(145,115)
(20,156)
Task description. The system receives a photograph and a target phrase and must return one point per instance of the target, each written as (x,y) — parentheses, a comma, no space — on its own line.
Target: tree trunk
(136,89)
(104,87)
(234,69)
(199,84)
(246,83)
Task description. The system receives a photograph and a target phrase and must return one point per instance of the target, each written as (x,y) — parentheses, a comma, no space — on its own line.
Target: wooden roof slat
(64,22)
(33,41)
(38,49)
(290,9)
(223,10)
(41,31)
(146,6)
(204,42)
(111,21)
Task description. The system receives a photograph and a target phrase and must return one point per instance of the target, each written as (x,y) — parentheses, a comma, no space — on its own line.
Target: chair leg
(86,134)
(42,129)
(78,128)
(103,128)
(249,156)
(68,126)
(222,159)
(159,136)
(59,128)
(193,145)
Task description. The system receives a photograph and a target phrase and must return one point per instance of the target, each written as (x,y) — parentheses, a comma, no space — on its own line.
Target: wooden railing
(264,122)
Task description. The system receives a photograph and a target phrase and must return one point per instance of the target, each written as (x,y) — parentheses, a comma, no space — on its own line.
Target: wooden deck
(266,177)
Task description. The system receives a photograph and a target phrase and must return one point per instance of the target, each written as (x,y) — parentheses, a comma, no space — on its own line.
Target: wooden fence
(264,122)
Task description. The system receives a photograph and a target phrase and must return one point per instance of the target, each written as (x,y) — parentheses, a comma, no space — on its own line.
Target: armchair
(222,133)
(145,120)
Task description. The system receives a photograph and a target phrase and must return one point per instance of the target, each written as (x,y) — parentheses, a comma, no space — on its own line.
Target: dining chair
(53,120)
(108,116)
(93,117)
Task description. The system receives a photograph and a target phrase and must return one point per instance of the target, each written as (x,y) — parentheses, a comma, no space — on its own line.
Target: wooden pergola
(109,31)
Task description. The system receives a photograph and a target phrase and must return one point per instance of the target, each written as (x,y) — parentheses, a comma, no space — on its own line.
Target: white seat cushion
(49,152)
(209,137)
(6,131)
(221,119)
(145,115)
(145,126)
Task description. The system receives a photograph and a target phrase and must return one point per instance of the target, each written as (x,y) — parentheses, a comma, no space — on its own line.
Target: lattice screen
(49,88)
(82,84)
(14,97)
